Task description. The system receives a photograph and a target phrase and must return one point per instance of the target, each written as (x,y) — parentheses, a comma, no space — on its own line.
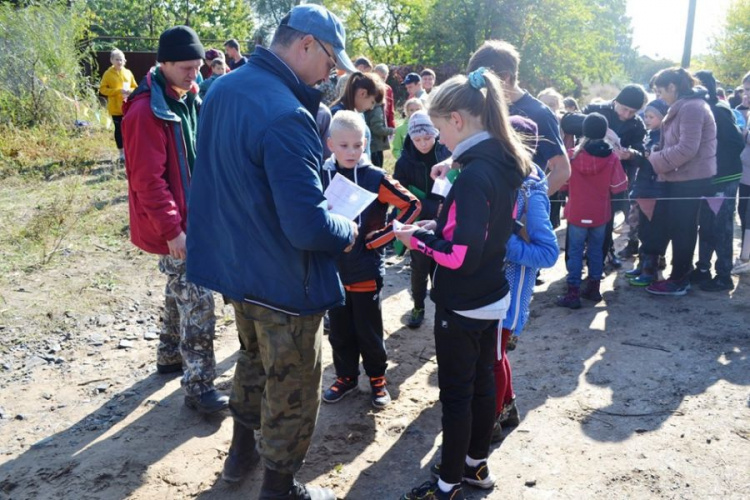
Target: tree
(729,52)
(381,28)
(561,42)
(215,20)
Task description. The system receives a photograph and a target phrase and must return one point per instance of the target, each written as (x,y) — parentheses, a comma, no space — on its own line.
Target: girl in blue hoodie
(532,246)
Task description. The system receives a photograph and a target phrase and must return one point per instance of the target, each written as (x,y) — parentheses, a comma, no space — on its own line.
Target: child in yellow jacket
(117,84)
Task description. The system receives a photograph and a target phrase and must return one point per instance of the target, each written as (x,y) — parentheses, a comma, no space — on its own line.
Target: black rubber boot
(209,402)
(242,455)
(282,486)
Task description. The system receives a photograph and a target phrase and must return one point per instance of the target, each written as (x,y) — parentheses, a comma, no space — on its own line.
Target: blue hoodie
(525,258)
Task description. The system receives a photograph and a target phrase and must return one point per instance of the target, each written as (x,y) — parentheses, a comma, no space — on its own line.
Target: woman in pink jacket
(685,160)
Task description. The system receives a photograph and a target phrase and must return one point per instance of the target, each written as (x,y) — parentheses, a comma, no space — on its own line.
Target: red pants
(503,376)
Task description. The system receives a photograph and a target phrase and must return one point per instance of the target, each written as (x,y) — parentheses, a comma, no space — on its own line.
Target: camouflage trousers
(187,335)
(277,380)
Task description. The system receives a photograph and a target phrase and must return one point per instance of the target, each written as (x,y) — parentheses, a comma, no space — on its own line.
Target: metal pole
(689,35)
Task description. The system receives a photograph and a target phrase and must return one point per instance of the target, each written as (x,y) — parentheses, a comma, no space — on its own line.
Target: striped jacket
(365,261)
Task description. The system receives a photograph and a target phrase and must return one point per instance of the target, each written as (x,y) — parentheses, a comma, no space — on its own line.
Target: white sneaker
(741,266)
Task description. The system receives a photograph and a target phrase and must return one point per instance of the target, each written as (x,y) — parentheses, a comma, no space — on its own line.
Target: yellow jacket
(113,82)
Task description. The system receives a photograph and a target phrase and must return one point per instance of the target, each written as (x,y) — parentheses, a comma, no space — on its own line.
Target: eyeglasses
(330,56)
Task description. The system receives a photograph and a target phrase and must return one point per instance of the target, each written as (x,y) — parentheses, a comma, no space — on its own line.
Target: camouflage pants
(276,384)
(187,335)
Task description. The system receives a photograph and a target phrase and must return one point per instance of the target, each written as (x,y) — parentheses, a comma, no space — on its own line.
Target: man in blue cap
(261,234)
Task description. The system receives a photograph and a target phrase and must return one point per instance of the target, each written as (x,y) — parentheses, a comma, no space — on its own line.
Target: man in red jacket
(159,131)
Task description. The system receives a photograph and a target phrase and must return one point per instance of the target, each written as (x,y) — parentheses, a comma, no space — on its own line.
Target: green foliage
(561,42)
(382,28)
(729,53)
(213,20)
(40,71)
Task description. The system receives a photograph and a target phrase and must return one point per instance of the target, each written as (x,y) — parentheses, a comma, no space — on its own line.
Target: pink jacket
(688,142)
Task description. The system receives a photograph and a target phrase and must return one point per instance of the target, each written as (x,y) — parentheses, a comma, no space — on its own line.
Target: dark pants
(557,201)
(465,354)
(117,120)
(676,221)
(619,204)
(422,267)
(717,233)
(357,329)
(376,157)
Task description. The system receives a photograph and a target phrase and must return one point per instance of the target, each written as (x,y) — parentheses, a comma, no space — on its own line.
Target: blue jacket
(259,226)
(524,258)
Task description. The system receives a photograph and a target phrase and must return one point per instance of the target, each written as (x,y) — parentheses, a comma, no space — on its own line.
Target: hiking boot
(510,416)
(572,299)
(591,292)
(630,250)
(283,486)
(431,491)
(380,395)
(670,287)
(166,369)
(718,284)
(209,402)
(698,276)
(242,456)
(415,318)
(339,389)
(741,266)
(478,476)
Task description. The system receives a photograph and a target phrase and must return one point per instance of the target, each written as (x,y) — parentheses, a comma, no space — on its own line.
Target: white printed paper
(346,198)
(442,187)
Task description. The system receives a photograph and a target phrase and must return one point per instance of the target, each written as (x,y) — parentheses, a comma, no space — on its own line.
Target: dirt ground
(634,397)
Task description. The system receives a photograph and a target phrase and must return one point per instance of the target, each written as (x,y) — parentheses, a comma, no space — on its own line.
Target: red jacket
(593,178)
(388,105)
(157,168)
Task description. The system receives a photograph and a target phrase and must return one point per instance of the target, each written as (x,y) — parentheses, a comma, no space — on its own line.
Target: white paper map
(346,198)
(442,187)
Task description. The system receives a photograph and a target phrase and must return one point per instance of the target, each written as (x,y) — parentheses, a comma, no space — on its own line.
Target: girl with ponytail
(469,288)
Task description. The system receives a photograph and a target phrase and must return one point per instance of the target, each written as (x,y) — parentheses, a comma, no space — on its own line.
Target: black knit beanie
(632,96)
(179,43)
(595,126)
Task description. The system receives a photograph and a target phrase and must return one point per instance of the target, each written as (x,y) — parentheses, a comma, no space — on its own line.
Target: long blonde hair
(480,95)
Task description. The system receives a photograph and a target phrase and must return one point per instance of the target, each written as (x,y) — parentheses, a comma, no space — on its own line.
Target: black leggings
(117,120)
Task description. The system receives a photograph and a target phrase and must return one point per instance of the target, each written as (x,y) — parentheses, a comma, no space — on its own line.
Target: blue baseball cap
(319,22)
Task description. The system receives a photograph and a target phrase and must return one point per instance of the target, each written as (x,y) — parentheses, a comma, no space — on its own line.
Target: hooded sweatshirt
(365,261)
(596,174)
(472,230)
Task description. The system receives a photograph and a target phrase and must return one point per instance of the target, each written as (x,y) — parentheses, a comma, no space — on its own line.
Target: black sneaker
(479,476)
(415,318)
(380,395)
(699,276)
(339,389)
(718,284)
(431,491)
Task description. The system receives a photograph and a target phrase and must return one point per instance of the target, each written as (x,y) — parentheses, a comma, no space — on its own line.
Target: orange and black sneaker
(380,395)
(340,388)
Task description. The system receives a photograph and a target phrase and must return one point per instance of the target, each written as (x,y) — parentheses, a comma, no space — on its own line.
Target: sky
(659,25)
